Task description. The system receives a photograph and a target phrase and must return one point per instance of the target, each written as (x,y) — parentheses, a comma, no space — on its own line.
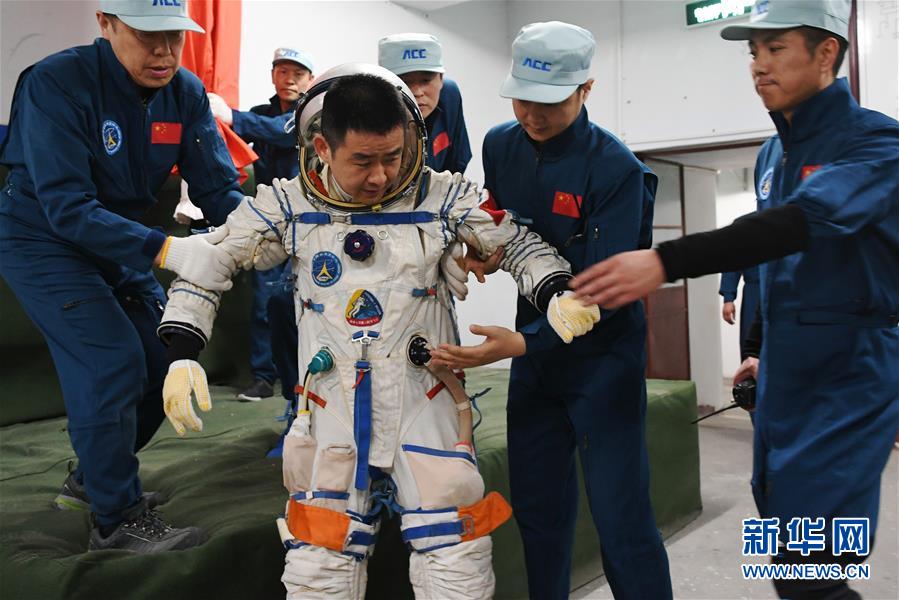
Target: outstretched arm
(186,325)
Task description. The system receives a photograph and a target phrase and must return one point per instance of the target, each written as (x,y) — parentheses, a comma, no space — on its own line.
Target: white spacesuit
(376,425)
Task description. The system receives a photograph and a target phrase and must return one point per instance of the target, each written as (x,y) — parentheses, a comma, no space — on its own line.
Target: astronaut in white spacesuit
(365,225)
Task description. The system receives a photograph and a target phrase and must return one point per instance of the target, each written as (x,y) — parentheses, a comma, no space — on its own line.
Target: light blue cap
(549,61)
(407,52)
(151,15)
(293,55)
(829,15)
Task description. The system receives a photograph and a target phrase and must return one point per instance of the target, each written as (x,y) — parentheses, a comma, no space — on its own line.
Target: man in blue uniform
(828,371)
(586,194)
(749,301)
(94,132)
(273,337)
(418,60)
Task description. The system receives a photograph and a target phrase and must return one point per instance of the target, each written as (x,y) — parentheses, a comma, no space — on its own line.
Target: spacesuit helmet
(307,122)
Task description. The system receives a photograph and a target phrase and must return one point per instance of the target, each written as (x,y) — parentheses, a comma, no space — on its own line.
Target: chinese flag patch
(441,143)
(489,206)
(567,205)
(496,215)
(490,202)
(809,169)
(165,133)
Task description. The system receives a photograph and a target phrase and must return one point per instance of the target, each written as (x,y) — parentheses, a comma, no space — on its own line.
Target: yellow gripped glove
(569,317)
(185,378)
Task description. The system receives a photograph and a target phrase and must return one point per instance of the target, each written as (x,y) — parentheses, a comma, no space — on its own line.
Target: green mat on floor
(221,481)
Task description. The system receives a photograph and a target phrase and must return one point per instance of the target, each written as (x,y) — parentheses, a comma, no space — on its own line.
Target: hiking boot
(146,533)
(73,496)
(256,392)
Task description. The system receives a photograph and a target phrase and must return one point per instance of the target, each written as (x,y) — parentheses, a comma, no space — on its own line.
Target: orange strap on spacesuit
(318,526)
(483,517)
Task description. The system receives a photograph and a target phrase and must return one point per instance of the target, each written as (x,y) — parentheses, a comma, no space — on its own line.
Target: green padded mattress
(221,481)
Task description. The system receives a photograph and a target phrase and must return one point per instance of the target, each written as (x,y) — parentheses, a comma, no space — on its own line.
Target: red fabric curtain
(215,58)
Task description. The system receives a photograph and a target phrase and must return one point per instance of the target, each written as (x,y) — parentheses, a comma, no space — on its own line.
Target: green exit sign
(710,11)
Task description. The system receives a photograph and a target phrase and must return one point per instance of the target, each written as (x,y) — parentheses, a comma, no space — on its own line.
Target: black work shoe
(146,533)
(73,496)
(256,392)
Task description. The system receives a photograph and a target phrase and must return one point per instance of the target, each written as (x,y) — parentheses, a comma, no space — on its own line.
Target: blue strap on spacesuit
(362,421)
(309,304)
(397,218)
(299,496)
(424,292)
(435,530)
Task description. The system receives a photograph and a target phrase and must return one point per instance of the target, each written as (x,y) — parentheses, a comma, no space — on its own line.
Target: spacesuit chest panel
(351,292)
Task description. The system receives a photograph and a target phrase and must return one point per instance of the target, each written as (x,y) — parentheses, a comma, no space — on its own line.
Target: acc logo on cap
(415,53)
(166,3)
(765,184)
(111,135)
(363,309)
(326,269)
(534,63)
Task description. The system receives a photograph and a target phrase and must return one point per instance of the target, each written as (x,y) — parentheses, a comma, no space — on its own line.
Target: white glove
(220,108)
(185,377)
(199,261)
(569,317)
(455,276)
(269,253)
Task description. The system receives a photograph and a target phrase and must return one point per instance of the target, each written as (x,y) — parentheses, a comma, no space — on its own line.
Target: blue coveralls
(272,310)
(585,193)
(87,157)
(828,388)
(749,302)
(448,147)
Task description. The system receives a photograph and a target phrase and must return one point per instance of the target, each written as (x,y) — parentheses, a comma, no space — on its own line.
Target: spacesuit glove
(185,378)
(569,318)
(455,276)
(269,253)
(220,108)
(197,260)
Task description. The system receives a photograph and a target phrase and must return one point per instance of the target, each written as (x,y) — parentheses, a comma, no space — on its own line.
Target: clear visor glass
(410,169)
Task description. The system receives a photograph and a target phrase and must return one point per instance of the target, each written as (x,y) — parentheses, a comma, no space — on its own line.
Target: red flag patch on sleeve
(490,202)
(165,133)
(567,205)
(441,143)
(809,169)
(496,215)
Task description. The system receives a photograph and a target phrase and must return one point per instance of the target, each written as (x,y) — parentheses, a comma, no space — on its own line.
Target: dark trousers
(99,320)
(283,324)
(594,404)
(266,284)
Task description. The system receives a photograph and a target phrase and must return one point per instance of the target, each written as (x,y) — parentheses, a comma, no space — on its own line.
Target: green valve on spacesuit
(322,362)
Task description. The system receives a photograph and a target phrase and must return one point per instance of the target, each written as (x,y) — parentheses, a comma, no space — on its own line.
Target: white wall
(702,293)
(735,197)
(878,49)
(32,30)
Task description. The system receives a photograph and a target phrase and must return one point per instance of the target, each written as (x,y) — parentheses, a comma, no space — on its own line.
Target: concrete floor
(705,556)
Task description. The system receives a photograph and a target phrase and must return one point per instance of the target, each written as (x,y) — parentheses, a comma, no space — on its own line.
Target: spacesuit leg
(328,532)
(446,519)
